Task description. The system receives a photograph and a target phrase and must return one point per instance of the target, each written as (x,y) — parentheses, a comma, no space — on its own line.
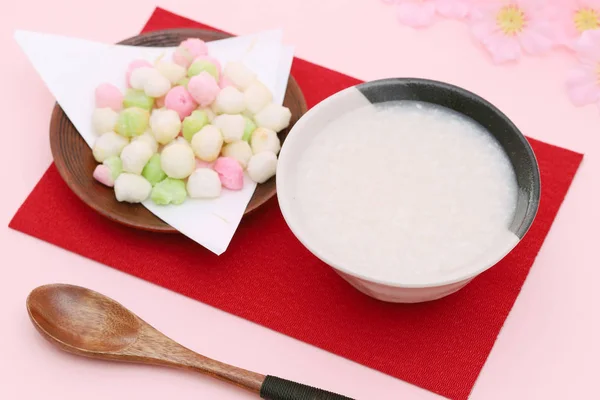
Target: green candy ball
(192,124)
(115,165)
(248,129)
(169,191)
(183,82)
(152,170)
(203,65)
(132,121)
(137,98)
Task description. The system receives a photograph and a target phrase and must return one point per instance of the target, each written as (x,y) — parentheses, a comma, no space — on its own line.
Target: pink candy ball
(230,173)
(103,175)
(109,96)
(180,100)
(224,82)
(133,65)
(203,88)
(188,50)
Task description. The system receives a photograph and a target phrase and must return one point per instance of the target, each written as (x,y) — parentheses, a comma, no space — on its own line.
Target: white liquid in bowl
(406,193)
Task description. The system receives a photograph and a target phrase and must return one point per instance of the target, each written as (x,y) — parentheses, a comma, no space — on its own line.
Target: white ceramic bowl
(512,141)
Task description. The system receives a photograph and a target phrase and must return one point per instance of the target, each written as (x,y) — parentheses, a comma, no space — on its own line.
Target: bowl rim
(286,209)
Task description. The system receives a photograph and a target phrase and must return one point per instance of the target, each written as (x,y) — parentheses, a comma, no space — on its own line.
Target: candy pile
(184,128)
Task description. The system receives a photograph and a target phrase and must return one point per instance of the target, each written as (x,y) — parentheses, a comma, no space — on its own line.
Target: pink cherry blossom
(576,17)
(509,28)
(583,81)
(421,13)
(103,175)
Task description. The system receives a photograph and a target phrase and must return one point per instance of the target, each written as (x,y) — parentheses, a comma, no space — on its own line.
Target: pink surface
(548,347)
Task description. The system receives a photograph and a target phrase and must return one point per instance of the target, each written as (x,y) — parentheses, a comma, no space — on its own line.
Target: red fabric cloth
(267,277)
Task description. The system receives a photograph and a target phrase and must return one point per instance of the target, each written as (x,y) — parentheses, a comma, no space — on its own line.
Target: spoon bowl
(97,324)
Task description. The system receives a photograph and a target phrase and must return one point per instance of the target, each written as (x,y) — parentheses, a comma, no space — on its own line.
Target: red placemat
(267,277)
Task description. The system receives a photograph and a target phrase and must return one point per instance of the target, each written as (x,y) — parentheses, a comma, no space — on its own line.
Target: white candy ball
(108,145)
(229,101)
(141,75)
(135,156)
(173,72)
(204,183)
(165,125)
(177,160)
(132,188)
(262,166)
(240,150)
(148,138)
(240,75)
(257,96)
(207,143)
(104,120)
(231,126)
(274,117)
(157,86)
(264,139)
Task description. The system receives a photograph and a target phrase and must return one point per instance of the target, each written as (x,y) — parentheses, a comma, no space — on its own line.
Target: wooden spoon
(87,323)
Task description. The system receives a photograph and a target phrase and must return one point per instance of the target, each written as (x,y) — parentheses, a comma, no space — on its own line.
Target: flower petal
(503,48)
(485,10)
(588,46)
(566,32)
(416,14)
(484,29)
(582,86)
(535,41)
(589,3)
(452,8)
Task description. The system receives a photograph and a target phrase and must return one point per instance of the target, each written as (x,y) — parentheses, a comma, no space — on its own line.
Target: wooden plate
(74,160)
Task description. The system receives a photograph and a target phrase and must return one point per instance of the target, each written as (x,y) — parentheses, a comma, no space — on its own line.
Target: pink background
(549,346)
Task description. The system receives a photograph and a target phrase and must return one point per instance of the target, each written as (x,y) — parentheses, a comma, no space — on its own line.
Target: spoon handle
(274,388)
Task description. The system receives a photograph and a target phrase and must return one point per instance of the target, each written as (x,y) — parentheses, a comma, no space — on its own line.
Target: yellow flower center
(586,19)
(511,19)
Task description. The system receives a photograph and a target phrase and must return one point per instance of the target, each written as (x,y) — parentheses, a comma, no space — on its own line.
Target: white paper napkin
(72,68)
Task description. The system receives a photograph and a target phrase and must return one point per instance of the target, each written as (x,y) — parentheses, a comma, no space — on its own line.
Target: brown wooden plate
(76,164)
